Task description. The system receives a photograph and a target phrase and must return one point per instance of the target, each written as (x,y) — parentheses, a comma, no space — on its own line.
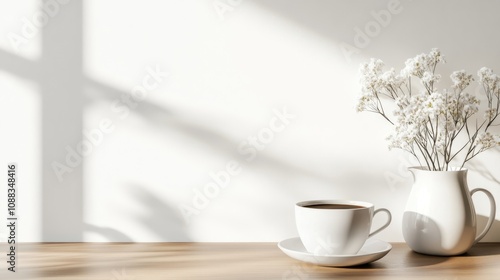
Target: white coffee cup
(336,227)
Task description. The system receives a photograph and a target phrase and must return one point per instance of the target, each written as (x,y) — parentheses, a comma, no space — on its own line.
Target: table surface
(150,261)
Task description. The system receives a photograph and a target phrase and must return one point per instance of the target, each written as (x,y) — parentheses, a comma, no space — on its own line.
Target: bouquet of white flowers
(427,121)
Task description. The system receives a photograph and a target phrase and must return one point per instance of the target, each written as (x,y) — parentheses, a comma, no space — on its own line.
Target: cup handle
(493,211)
(389,219)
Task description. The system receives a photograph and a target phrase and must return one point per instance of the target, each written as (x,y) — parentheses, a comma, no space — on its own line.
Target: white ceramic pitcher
(439,218)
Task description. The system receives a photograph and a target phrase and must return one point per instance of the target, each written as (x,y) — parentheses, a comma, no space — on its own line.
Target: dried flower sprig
(428,123)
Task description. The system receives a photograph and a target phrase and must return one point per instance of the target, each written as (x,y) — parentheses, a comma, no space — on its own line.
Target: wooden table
(150,261)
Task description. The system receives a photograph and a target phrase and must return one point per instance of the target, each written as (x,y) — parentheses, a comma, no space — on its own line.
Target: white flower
(491,83)
(484,74)
(390,79)
(374,66)
(403,137)
(428,77)
(401,102)
(490,113)
(427,123)
(461,79)
(469,104)
(370,75)
(486,141)
(422,63)
(414,66)
(366,103)
(434,105)
(435,56)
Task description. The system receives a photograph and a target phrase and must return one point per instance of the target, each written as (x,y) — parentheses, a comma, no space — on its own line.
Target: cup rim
(364,204)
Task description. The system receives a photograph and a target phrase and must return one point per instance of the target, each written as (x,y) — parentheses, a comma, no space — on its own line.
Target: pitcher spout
(413,170)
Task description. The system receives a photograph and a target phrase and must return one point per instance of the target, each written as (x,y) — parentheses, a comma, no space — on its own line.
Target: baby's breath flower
(390,79)
(365,102)
(434,105)
(428,77)
(469,104)
(484,74)
(490,113)
(435,56)
(461,79)
(414,66)
(427,122)
(486,141)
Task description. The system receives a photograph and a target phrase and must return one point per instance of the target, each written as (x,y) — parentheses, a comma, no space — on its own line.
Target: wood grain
(151,261)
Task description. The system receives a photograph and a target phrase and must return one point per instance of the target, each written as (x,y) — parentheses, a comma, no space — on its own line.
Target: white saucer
(372,250)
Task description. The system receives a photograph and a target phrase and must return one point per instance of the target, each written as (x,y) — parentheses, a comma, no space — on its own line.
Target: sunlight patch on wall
(20,122)
(21,24)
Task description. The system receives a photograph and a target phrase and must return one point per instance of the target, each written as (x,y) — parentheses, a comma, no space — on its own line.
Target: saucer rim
(337,260)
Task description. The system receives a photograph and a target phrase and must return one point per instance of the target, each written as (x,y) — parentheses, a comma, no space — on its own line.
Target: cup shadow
(399,261)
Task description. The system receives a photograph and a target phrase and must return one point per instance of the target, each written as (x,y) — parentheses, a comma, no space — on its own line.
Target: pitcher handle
(493,211)
(389,219)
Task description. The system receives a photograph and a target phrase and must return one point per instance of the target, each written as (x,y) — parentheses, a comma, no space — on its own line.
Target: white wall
(227,77)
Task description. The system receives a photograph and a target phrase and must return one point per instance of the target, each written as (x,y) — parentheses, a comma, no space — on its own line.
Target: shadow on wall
(161,219)
(331,19)
(168,119)
(62,85)
(494,231)
(343,20)
(478,166)
(110,234)
(58,75)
